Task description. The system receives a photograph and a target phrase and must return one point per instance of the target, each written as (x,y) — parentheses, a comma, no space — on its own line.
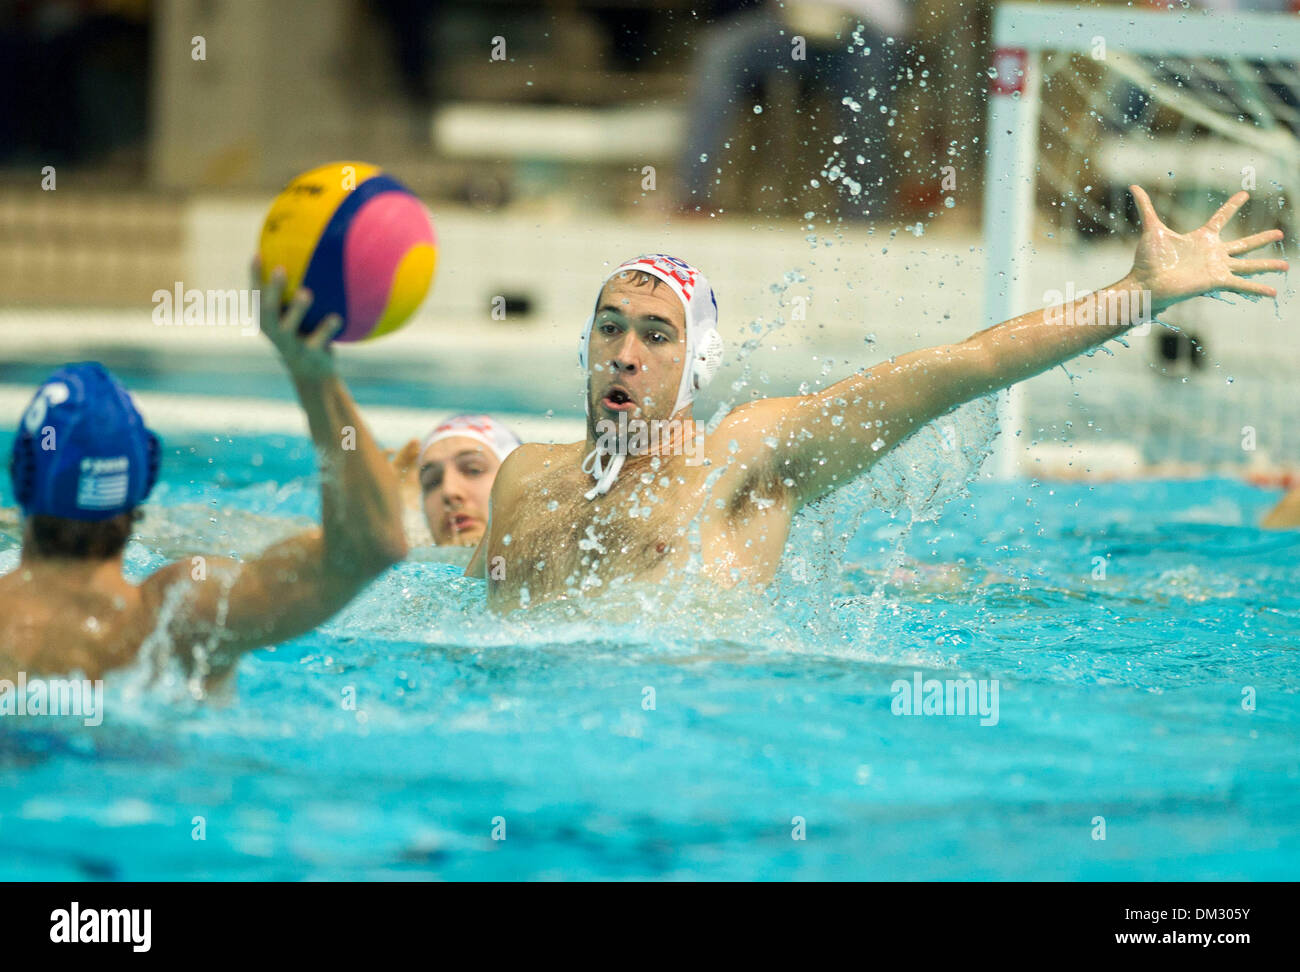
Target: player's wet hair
(58,537)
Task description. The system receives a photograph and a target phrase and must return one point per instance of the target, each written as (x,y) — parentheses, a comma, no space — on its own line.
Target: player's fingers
(255,272)
(273,293)
(1227,211)
(1243,267)
(296,311)
(1145,209)
(1253,242)
(1252,287)
(409,452)
(329,327)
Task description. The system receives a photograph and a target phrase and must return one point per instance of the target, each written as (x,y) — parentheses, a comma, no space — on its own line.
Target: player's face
(456,476)
(636,351)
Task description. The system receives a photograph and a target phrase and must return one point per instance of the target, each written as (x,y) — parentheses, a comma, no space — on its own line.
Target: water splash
(910,485)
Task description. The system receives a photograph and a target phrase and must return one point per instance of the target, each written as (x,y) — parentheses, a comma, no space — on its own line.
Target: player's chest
(556,538)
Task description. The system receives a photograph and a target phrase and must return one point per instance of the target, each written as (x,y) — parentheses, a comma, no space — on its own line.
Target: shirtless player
(652,343)
(83,463)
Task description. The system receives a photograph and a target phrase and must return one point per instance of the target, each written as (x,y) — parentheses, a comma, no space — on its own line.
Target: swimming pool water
(1120,697)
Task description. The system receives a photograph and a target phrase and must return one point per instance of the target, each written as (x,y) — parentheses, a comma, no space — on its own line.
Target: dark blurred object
(410,26)
(1176,347)
(722,9)
(565,52)
(630,35)
(631,29)
(75,78)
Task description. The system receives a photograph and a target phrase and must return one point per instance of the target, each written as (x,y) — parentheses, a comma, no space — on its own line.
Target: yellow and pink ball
(359,240)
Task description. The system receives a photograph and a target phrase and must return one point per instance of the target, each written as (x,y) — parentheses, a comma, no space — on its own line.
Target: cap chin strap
(698,371)
(605,466)
(605,474)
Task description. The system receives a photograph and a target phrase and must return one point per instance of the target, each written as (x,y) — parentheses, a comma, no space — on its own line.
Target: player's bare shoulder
(44,628)
(154,588)
(750,422)
(531,462)
(746,433)
(744,445)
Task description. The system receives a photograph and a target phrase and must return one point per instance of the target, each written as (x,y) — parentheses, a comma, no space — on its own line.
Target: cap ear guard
(154,465)
(22,470)
(586,337)
(708,359)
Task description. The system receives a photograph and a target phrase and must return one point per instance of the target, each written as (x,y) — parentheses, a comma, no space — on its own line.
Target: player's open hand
(1176,266)
(305,355)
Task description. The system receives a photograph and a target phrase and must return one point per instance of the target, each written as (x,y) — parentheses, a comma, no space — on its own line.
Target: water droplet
(758,109)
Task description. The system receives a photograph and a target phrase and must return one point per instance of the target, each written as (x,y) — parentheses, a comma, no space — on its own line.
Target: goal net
(1193,105)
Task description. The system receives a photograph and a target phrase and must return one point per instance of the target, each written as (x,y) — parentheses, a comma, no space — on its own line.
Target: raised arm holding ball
(84,462)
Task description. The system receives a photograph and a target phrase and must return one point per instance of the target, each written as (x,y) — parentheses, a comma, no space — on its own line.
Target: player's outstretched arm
(826,439)
(228,606)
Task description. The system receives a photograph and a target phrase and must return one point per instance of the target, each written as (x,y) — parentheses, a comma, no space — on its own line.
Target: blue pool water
(1120,698)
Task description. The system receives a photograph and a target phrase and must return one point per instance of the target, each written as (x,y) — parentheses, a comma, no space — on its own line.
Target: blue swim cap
(82,451)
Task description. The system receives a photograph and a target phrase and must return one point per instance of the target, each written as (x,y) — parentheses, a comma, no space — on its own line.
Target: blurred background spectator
(576,100)
(847,53)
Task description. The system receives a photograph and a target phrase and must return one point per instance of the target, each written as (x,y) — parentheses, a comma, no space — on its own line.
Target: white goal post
(1237,114)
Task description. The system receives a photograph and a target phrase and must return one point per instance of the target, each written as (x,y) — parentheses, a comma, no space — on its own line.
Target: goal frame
(1021,33)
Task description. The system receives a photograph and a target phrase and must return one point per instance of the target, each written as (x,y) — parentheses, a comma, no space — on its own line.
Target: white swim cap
(483,428)
(704,346)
